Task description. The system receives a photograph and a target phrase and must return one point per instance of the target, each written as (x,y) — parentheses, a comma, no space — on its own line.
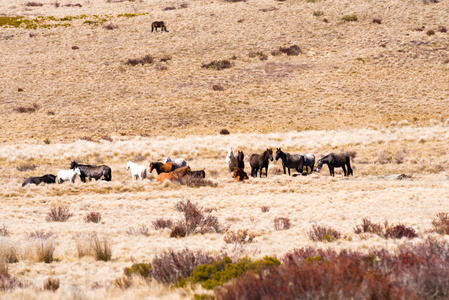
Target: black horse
(333,160)
(290,161)
(260,161)
(237,162)
(47,178)
(93,171)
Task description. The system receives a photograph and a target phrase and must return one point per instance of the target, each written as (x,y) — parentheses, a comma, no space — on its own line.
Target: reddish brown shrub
(430,32)
(292,50)
(265,208)
(217,87)
(323,233)
(282,223)
(440,223)
(147,59)
(58,214)
(93,216)
(217,65)
(239,238)
(178,231)
(33,4)
(224,131)
(377,21)
(162,223)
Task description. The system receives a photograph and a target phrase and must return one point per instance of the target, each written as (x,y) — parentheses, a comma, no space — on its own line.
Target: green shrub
(350,18)
(141,269)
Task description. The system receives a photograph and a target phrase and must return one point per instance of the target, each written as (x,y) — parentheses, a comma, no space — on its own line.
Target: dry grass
(58,214)
(93,216)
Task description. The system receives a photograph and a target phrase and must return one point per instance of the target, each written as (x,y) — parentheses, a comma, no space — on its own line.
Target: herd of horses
(176,169)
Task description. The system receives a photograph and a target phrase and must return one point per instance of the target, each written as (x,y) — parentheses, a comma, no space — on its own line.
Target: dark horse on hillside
(237,162)
(161,167)
(260,161)
(333,160)
(48,178)
(289,161)
(93,171)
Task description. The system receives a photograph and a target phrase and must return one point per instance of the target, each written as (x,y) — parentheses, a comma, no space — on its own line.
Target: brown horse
(158,24)
(333,160)
(174,175)
(260,161)
(162,168)
(239,174)
(183,171)
(237,162)
(166,176)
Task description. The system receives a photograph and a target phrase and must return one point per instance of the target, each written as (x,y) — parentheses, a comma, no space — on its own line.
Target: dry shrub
(430,1)
(40,234)
(217,65)
(349,18)
(58,214)
(142,230)
(93,216)
(110,26)
(9,282)
(282,223)
(224,131)
(51,284)
(170,266)
(44,250)
(323,233)
(377,21)
(8,254)
(419,28)
(265,208)
(292,50)
(4,231)
(441,223)
(193,181)
(162,223)
(318,13)
(107,138)
(430,32)
(233,0)
(195,221)
(268,9)
(240,237)
(101,248)
(169,8)
(73,5)
(147,59)
(442,29)
(75,47)
(217,87)
(184,5)
(30,109)
(179,230)
(385,230)
(33,4)
(26,166)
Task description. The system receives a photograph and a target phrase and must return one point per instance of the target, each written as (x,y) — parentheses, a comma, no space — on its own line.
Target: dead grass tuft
(44,250)
(40,234)
(93,216)
(26,166)
(430,32)
(217,65)
(320,233)
(385,230)
(282,223)
(162,223)
(101,248)
(110,26)
(58,214)
(217,87)
(441,223)
(141,230)
(51,284)
(265,208)
(147,59)
(241,237)
(292,50)
(33,4)
(4,231)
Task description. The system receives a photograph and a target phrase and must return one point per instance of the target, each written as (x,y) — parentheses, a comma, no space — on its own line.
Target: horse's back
(254,160)
(166,176)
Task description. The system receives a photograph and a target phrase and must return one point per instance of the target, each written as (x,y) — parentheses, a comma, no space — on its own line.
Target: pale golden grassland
(378,89)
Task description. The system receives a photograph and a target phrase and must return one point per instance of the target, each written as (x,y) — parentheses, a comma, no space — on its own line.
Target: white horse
(229,157)
(137,170)
(66,175)
(177,162)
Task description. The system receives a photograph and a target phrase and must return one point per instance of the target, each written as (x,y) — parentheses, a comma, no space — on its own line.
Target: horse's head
(278,153)
(240,156)
(319,165)
(73,165)
(151,167)
(128,165)
(270,154)
(78,171)
(230,154)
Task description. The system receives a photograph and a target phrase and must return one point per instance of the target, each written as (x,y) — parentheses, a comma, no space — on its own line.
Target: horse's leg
(288,172)
(331,170)
(344,170)
(283,166)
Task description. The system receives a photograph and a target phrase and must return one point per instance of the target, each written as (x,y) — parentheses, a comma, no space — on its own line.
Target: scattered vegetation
(217,87)
(430,32)
(26,166)
(58,214)
(265,208)
(262,56)
(110,26)
(349,18)
(31,109)
(8,255)
(323,234)
(224,131)
(147,59)
(4,231)
(292,50)
(217,65)
(442,29)
(44,250)
(33,4)
(441,223)
(93,216)
(51,284)
(377,21)
(101,248)
(385,230)
(193,181)
(162,223)
(40,234)
(238,238)
(9,282)
(142,230)
(282,223)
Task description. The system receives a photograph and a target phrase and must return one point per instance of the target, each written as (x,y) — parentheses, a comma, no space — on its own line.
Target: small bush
(8,255)
(44,250)
(178,231)
(282,223)
(217,65)
(33,4)
(110,26)
(30,109)
(224,131)
(265,208)
(51,284)
(183,5)
(142,230)
(9,282)
(75,47)
(292,50)
(233,0)
(441,223)
(318,13)
(399,231)
(170,8)
(141,269)
(385,230)
(240,237)
(4,231)
(193,181)
(323,234)
(73,5)
(162,223)
(430,1)
(195,221)
(349,18)
(430,32)
(58,214)
(217,87)
(40,234)
(377,21)
(26,166)
(101,248)
(147,59)
(107,138)
(442,29)
(47,141)
(93,216)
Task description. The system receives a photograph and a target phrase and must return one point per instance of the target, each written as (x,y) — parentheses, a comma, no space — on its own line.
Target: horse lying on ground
(333,160)
(68,175)
(174,175)
(162,168)
(137,171)
(239,174)
(260,161)
(93,171)
(237,162)
(179,163)
(48,178)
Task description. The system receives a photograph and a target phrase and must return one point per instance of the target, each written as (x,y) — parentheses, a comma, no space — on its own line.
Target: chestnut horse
(260,161)
(239,174)
(162,168)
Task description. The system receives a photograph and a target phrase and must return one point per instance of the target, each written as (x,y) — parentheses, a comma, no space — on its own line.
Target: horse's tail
(107,173)
(25,183)
(348,162)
